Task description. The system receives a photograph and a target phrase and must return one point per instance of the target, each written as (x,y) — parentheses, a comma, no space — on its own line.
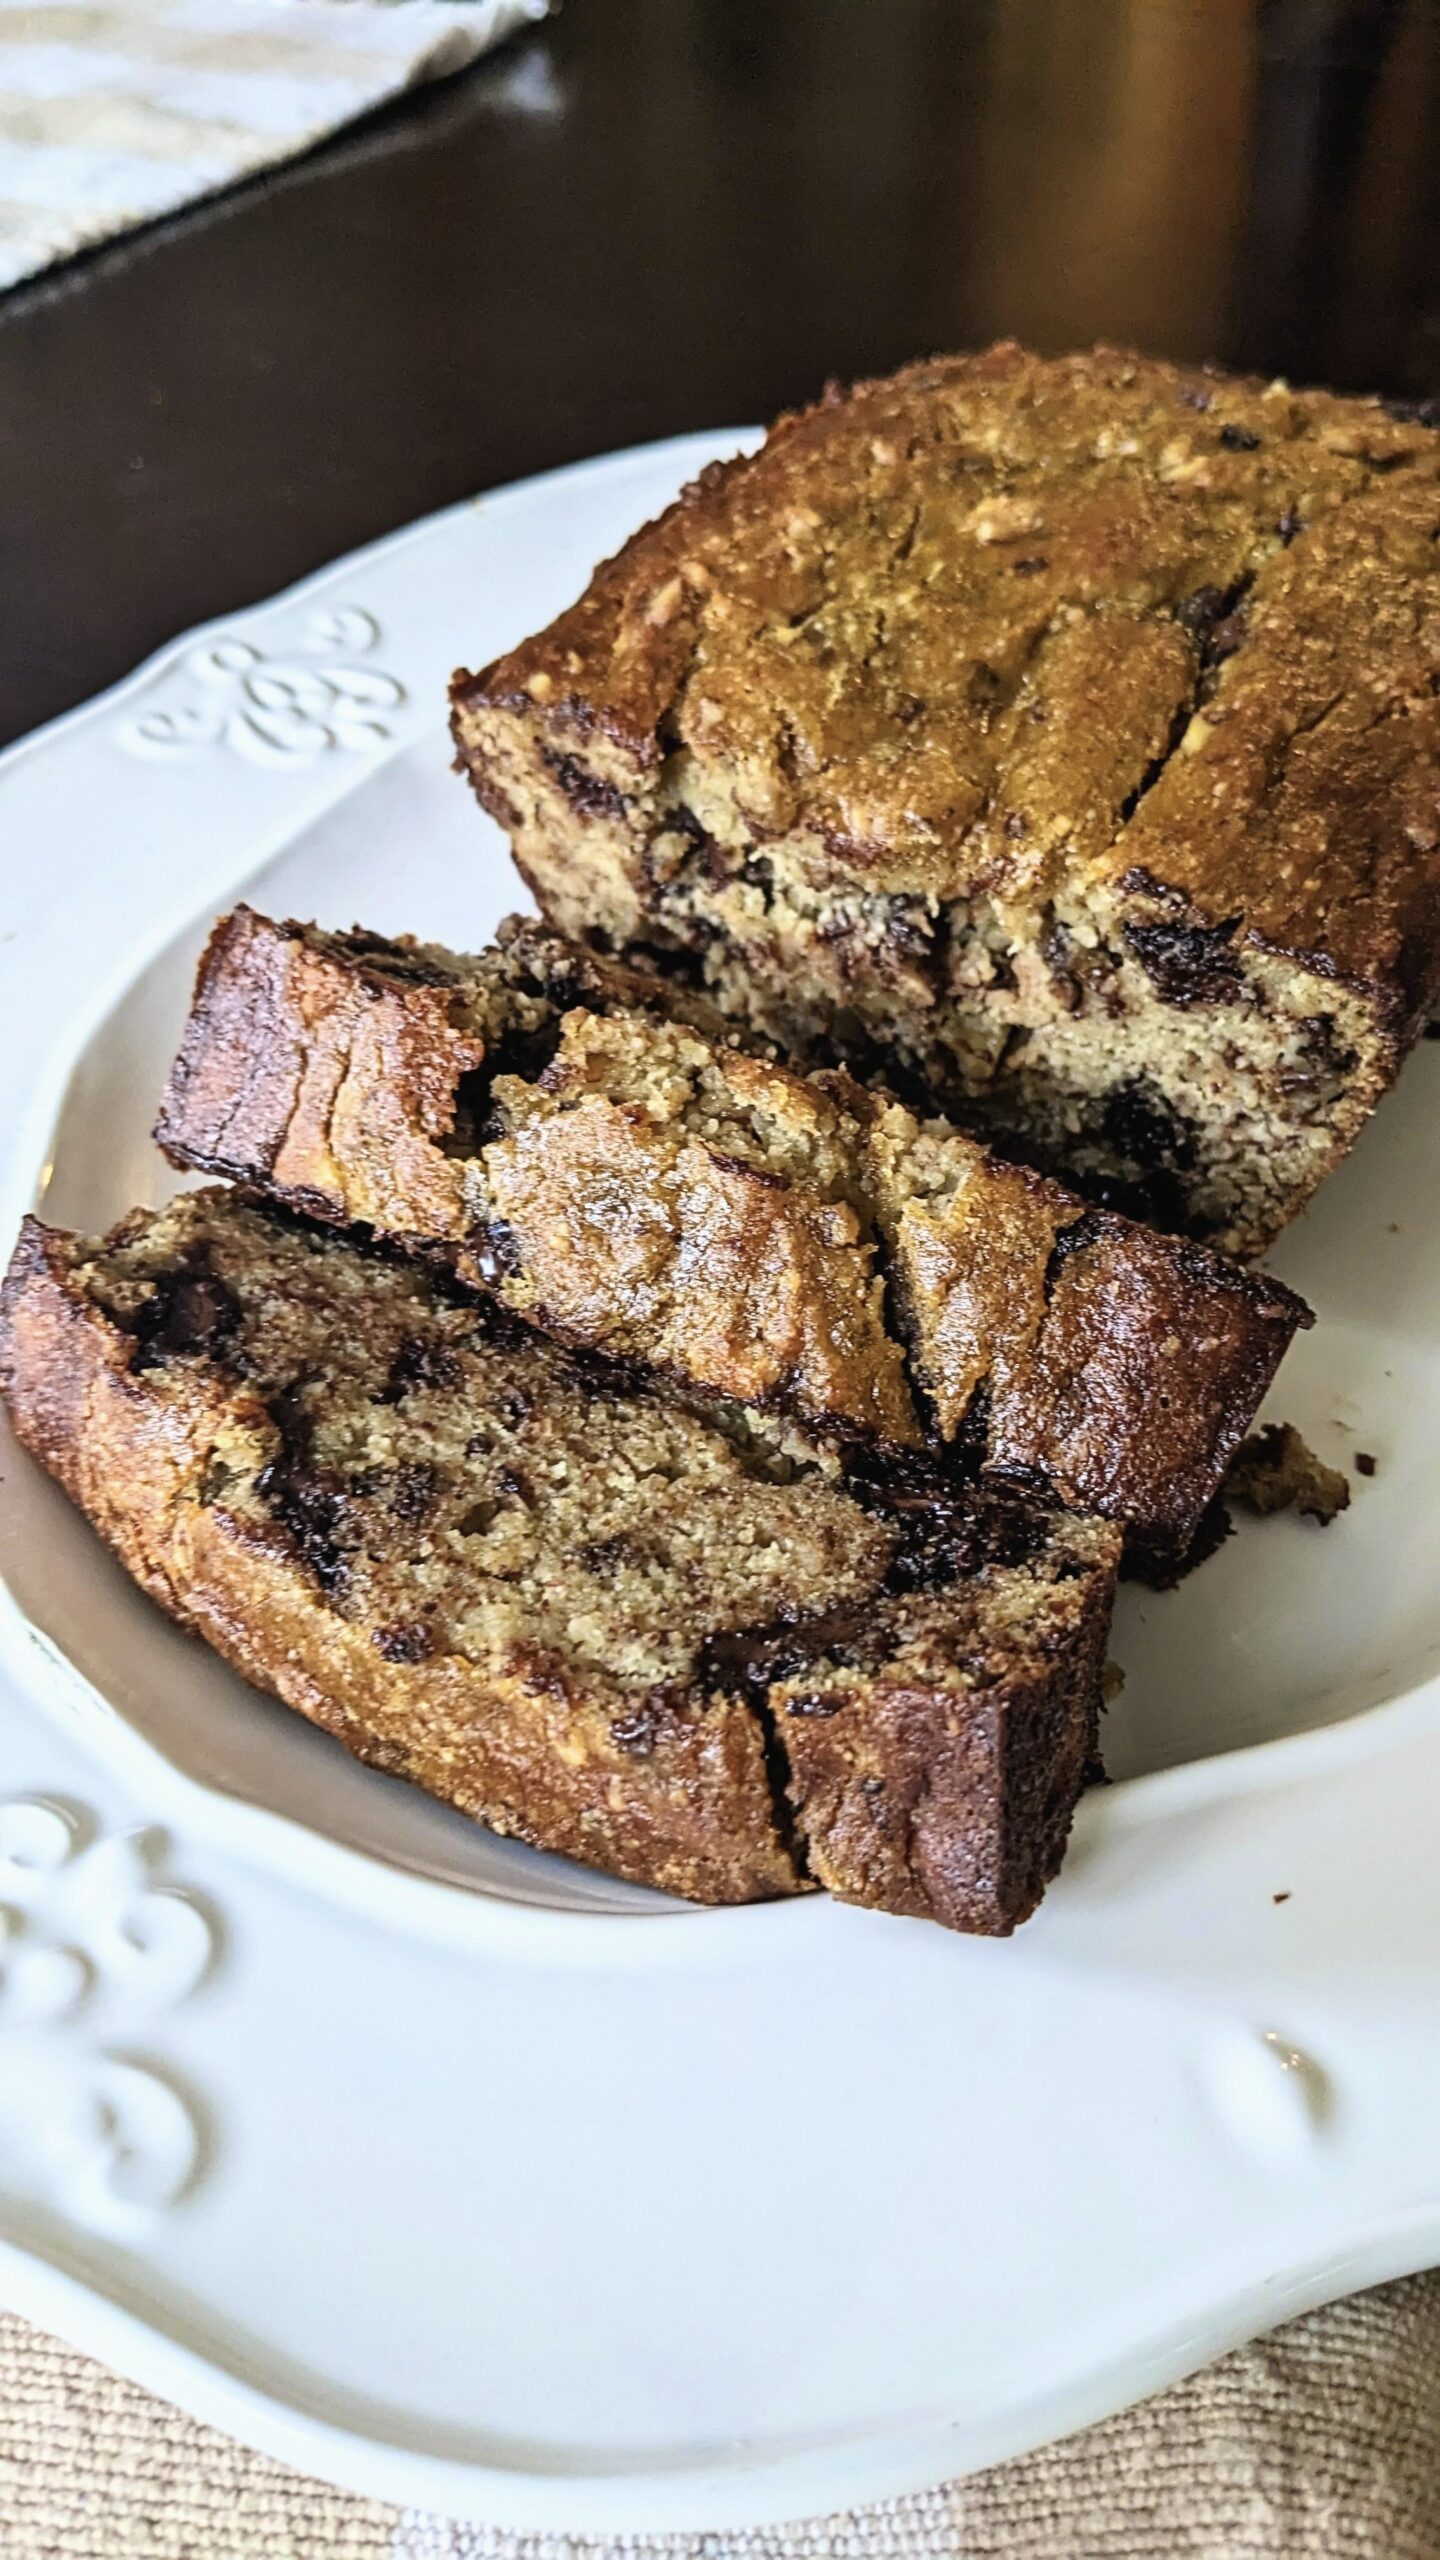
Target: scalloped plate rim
(892,2457)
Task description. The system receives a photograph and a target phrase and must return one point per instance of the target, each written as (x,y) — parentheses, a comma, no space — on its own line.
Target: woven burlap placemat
(1319,2443)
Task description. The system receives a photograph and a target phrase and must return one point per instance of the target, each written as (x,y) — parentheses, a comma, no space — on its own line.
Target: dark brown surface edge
(881,1808)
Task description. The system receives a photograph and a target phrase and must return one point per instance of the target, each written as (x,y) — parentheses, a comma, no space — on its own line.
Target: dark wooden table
(660,214)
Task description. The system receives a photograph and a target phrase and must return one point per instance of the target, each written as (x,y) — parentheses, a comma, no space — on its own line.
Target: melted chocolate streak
(946,1530)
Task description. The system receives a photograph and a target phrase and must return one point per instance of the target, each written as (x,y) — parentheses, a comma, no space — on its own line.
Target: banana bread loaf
(595,1154)
(1065,734)
(677,1646)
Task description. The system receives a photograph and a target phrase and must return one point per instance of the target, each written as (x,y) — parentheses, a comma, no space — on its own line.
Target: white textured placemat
(1319,2443)
(114,112)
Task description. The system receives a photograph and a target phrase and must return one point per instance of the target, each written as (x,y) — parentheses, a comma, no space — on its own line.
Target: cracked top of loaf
(1003,625)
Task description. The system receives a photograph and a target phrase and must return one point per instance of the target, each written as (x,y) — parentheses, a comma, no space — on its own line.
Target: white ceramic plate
(480,2183)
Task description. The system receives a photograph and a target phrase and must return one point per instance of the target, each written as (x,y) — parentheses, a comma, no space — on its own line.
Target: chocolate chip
(589,794)
(1154,1199)
(191,1312)
(1188,963)
(681,821)
(513,1405)
(1324,1046)
(1137,882)
(412,1489)
(1058,951)
(754,1658)
(636,1731)
(1364,1462)
(411,1641)
(1413,413)
(908,929)
(953,1532)
(1030,567)
(603,1555)
(1140,1125)
(317,1516)
(1239,439)
(420,1361)
(496,1251)
(1288,525)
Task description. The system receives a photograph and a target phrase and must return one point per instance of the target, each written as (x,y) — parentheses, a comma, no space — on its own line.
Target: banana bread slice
(586,1615)
(1065,734)
(629,1181)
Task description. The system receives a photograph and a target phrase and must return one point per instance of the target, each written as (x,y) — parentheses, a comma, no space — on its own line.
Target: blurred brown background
(661,214)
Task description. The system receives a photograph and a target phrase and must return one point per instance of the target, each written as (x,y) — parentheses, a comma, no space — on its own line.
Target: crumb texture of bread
(1278,1471)
(626,1178)
(1062,734)
(555,1599)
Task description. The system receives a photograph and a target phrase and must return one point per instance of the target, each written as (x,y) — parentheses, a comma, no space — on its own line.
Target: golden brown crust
(155,1375)
(694,1816)
(1130,1325)
(969,1259)
(1116,1367)
(985,512)
(324,1071)
(333,1082)
(1068,730)
(610,1207)
(662,1250)
(879,1792)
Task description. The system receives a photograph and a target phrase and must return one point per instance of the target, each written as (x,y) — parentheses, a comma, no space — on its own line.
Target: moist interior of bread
(462,1486)
(1206,1110)
(581,1027)
(512,1000)
(674,1079)
(559,1025)
(1159,1065)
